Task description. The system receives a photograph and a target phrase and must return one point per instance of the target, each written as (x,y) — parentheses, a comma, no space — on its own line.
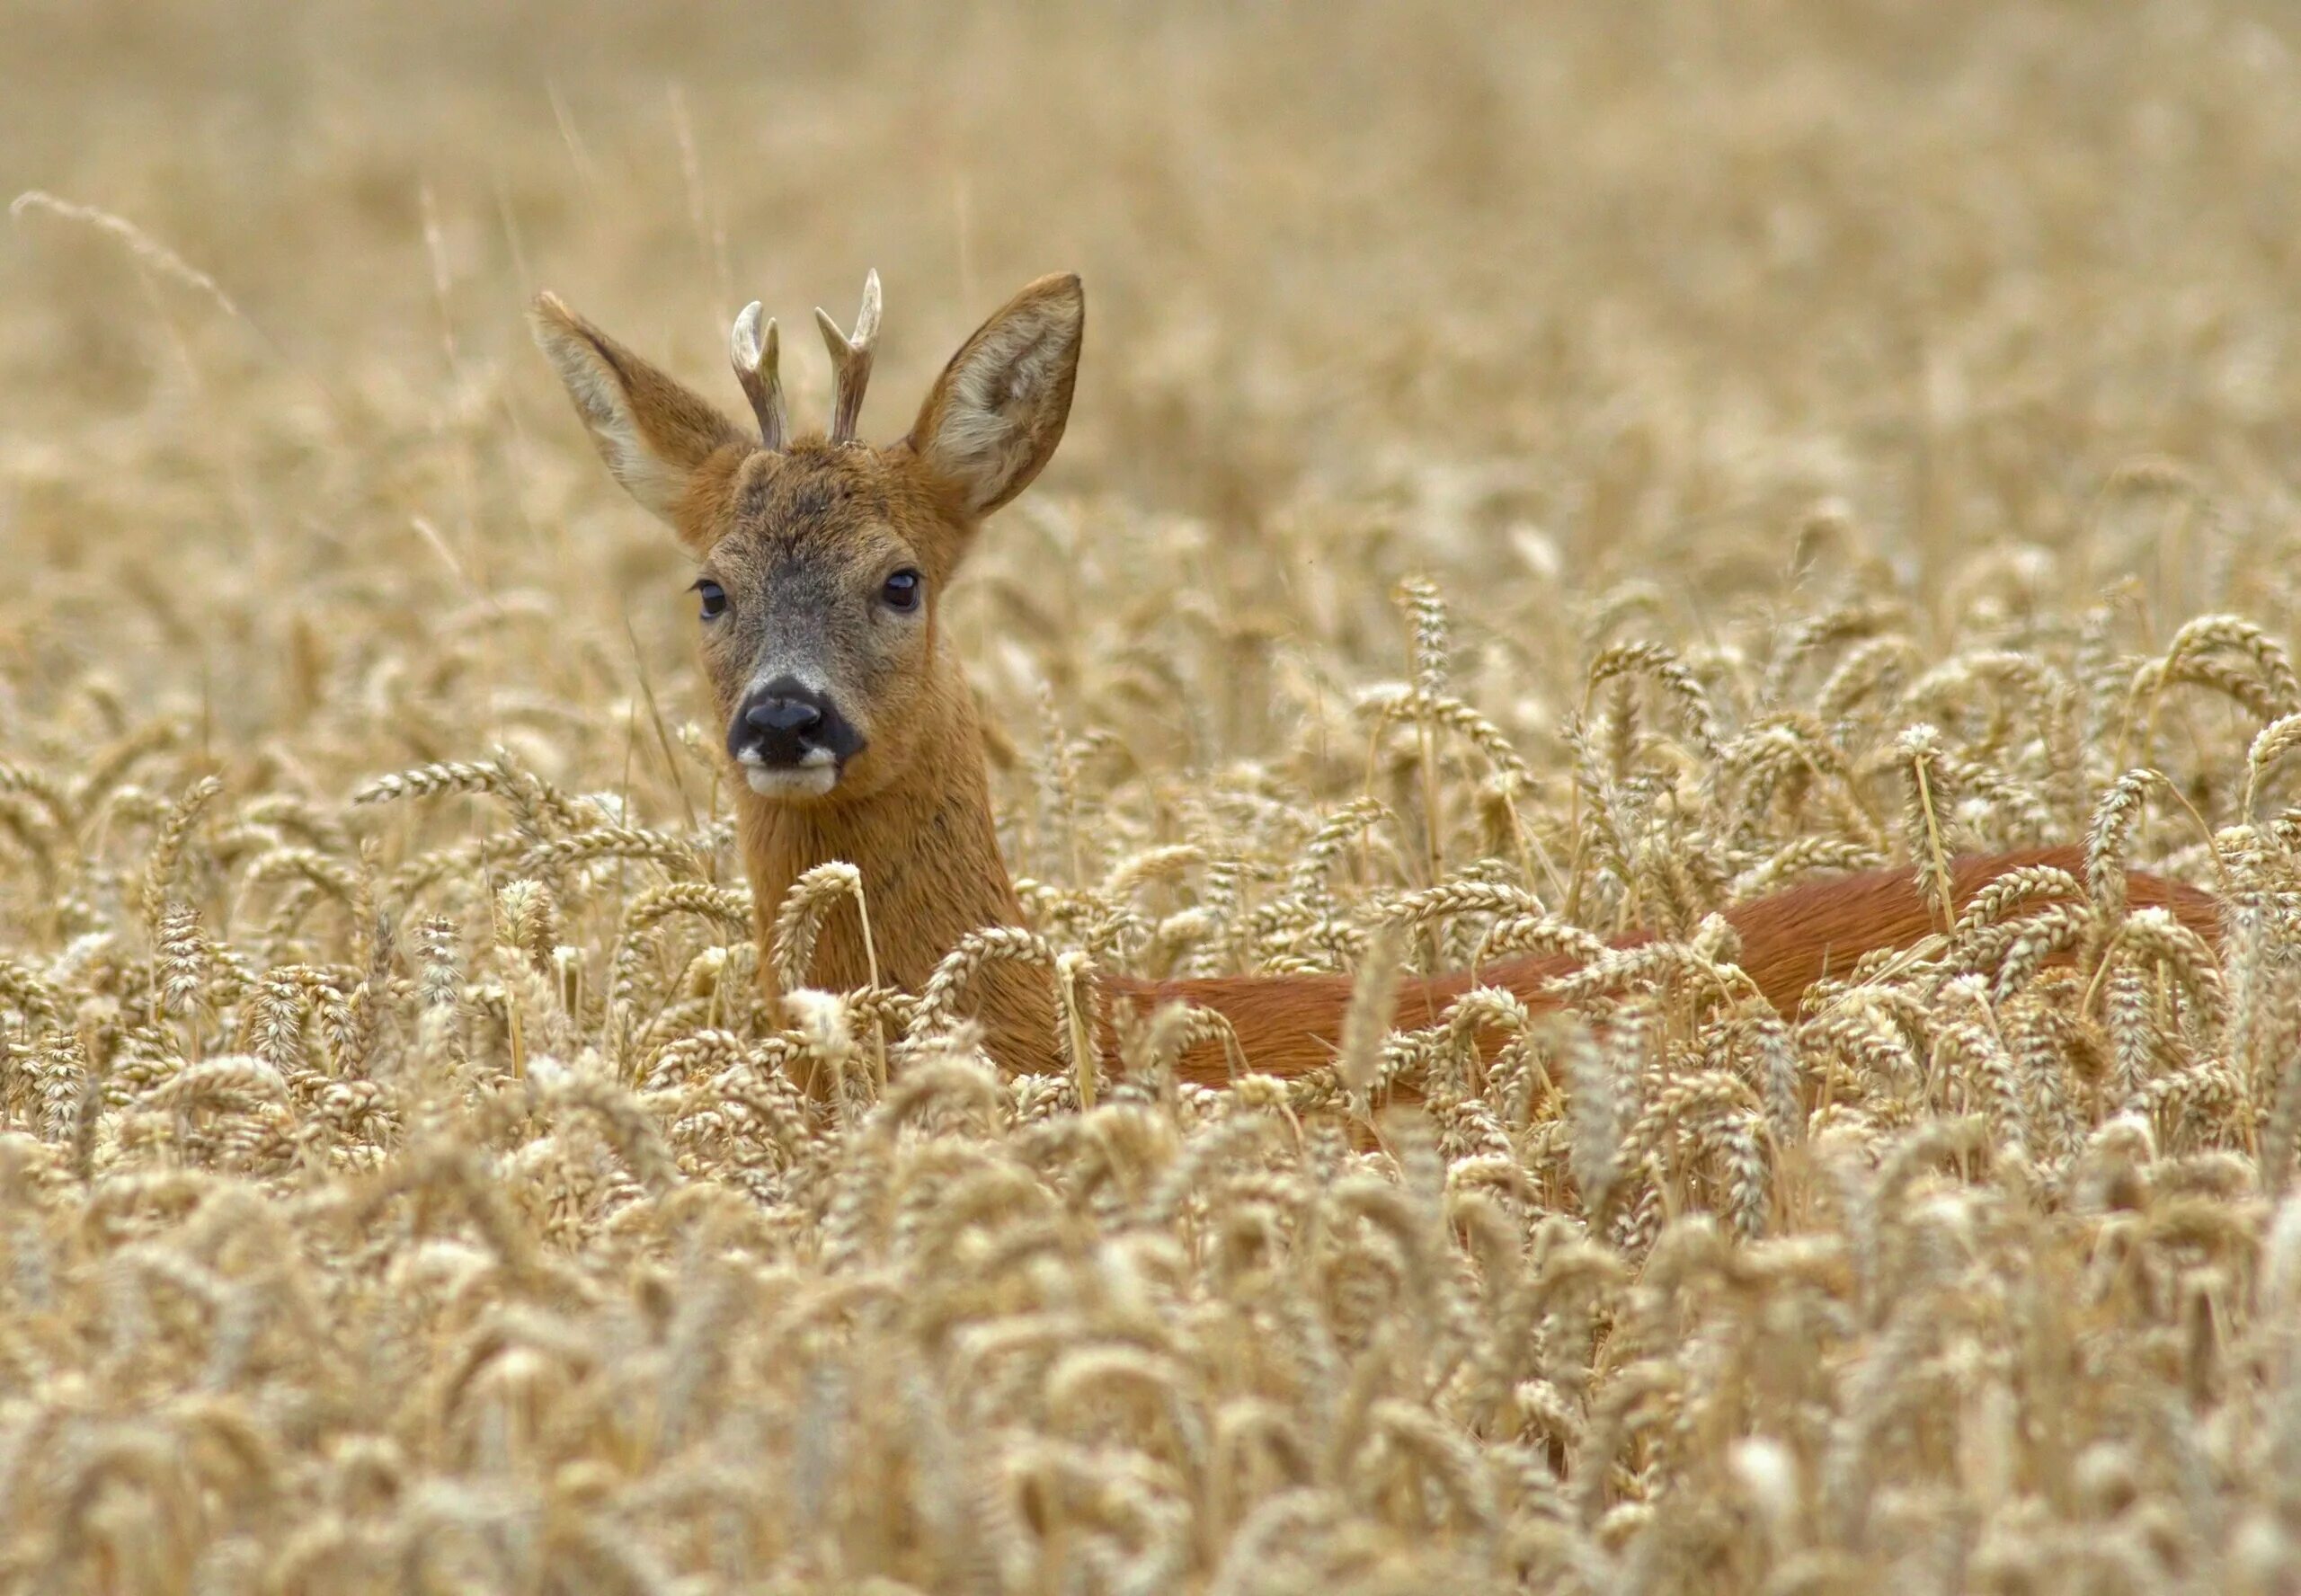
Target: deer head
(823,558)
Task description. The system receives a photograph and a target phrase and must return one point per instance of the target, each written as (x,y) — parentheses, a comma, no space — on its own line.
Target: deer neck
(927,847)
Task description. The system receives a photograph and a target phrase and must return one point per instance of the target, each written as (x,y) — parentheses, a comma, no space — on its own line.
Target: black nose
(784,717)
(780,725)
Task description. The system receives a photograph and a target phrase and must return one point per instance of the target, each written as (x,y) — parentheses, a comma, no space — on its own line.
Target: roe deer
(823,560)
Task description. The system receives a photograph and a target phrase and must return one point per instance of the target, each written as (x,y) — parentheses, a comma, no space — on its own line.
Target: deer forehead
(820,506)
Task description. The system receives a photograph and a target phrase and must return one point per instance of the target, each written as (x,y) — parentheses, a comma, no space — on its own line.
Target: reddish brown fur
(913,815)
(1287,1025)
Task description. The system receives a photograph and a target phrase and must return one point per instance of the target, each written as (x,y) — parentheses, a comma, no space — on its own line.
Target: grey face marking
(810,655)
(801,624)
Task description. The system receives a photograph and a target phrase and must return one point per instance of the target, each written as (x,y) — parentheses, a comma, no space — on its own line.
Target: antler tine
(756,360)
(850,359)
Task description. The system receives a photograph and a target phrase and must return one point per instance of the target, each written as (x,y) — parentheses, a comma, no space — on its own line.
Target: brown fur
(912,810)
(1287,1025)
(912,813)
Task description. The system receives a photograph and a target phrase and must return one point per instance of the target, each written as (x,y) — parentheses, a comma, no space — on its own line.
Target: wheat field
(1537,468)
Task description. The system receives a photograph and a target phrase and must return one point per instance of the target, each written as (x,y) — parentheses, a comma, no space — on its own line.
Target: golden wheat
(1541,473)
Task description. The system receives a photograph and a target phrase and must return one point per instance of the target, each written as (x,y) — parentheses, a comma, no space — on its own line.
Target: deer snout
(784,720)
(787,726)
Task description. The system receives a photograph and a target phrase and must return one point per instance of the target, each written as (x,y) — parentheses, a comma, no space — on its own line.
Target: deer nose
(787,724)
(784,717)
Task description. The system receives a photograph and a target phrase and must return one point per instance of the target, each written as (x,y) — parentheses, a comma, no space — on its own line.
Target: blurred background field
(1844,348)
(1544,301)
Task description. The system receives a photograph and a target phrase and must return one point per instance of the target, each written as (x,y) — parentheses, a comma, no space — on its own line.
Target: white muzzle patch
(816,774)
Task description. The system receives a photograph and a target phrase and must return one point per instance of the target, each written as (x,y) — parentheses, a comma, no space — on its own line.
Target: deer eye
(714,598)
(901,590)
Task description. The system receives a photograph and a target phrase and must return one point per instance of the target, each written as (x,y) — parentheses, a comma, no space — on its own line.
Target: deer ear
(657,435)
(998,411)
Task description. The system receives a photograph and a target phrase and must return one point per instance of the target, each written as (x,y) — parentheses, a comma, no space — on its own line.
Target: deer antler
(754,359)
(850,359)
